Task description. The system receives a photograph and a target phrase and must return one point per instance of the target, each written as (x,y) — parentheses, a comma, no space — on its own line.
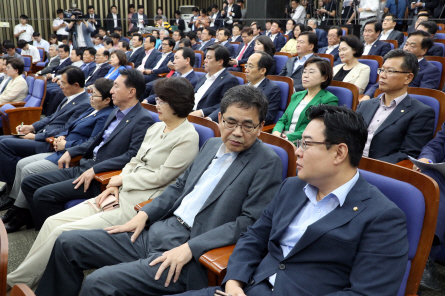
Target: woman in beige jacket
(169,147)
(17,89)
(351,70)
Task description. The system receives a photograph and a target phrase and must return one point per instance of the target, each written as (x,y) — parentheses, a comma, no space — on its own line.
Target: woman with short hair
(17,89)
(118,60)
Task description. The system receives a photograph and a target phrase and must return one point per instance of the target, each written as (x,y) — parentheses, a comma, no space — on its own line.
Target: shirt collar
(419,60)
(371,43)
(258,84)
(333,46)
(222,151)
(394,102)
(121,114)
(215,75)
(61,61)
(224,42)
(185,74)
(149,51)
(305,58)
(340,193)
(389,32)
(70,98)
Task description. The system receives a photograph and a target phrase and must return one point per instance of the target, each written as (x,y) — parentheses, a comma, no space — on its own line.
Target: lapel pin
(355,209)
(402,111)
(74,103)
(94,114)
(127,121)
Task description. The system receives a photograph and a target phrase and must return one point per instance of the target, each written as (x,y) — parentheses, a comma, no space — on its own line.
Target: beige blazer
(15,91)
(160,160)
(359,75)
(290,47)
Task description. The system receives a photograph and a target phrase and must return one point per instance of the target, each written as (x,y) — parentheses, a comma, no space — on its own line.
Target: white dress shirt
(114,19)
(368,48)
(203,89)
(384,36)
(372,4)
(93,24)
(164,56)
(27,35)
(57,22)
(43,44)
(70,98)
(230,20)
(33,52)
(331,48)
(140,18)
(272,37)
(299,15)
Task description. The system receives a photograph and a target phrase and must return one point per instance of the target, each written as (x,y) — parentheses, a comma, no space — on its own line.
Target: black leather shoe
(6,203)
(3,189)
(6,191)
(22,217)
(7,217)
(429,277)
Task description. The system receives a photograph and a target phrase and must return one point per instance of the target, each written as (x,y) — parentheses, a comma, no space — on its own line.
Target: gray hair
(166,32)
(246,96)
(55,46)
(312,20)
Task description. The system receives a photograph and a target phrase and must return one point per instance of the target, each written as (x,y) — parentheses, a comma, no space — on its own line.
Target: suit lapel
(124,122)
(215,83)
(370,111)
(396,114)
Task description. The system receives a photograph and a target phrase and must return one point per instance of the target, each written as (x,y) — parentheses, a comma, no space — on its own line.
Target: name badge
(324,18)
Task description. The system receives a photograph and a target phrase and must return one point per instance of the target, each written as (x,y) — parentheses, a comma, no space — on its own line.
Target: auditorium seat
(327,57)
(393,43)
(21,290)
(439,62)
(41,53)
(374,62)
(28,63)
(280,59)
(286,85)
(347,93)
(240,76)
(235,45)
(440,35)
(30,83)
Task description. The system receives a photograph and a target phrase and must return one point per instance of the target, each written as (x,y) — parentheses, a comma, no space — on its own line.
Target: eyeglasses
(390,72)
(250,67)
(160,102)
(303,144)
(248,129)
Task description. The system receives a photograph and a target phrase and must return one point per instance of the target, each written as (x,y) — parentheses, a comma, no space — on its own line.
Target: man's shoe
(3,189)
(22,218)
(429,277)
(6,203)
(6,191)
(7,217)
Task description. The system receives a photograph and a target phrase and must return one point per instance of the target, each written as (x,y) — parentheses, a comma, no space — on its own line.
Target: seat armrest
(50,140)
(104,178)
(162,74)
(24,109)
(216,260)
(75,161)
(139,206)
(406,163)
(268,128)
(15,104)
(27,115)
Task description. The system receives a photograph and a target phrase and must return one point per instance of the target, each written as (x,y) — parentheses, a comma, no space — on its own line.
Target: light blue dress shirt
(311,213)
(193,202)
(300,62)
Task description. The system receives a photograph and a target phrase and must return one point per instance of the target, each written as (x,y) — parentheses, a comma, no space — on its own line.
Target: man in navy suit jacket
(431,27)
(211,87)
(324,228)
(371,34)
(410,123)
(278,40)
(428,75)
(135,18)
(244,51)
(216,19)
(138,50)
(321,34)
(162,61)
(223,35)
(110,150)
(258,67)
(102,67)
(206,39)
(334,36)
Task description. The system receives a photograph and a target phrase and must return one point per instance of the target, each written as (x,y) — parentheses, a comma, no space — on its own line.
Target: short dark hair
(170,41)
(119,29)
(158,17)
(35,34)
(113,6)
(191,35)
(377,25)
(122,57)
(59,10)
(246,97)
(74,75)
(277,22)
(210,31)
(187,52)
(107,53)
(238,26)
(9,45)
(265,61)
(195,9)
(226,31)
(64,37)
(353,42)
(431,26)
(338,29)
(139,37)
(16,64)
(247,30)
(267,43)
(24,16)
(79,52)
(215,6)
(186,42)
(99,36)
(180,33)
(325,69)
(427,41)
(90,7)
(140,7)
(258,26)
(151,38)
(410,62)
(103,86)
(392,15)
(115,35)
(21,43)
(52,36)
(108,41)
(178,93)
(177,12)
(65,47)
(91,50)
(303,28)
(134,79)
(312,39)
(342,125)
(127,46)
(101,28)
(221,53)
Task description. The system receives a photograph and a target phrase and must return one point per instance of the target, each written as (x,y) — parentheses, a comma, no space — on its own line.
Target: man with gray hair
(162,34)
(322,36)
(54,60)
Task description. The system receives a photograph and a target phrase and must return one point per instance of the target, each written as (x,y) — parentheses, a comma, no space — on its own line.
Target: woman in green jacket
(317,75)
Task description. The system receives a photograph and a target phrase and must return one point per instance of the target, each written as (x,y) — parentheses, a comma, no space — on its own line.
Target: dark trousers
(51,91)
(123,266)
(13,149)
(262,289)
(48,192)
(57,98)
(148,88)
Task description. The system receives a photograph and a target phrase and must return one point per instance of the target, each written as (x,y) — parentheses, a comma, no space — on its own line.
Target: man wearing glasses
(224,191)
(398,126)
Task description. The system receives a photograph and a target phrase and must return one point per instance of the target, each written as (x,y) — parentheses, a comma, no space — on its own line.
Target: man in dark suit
(139,19)
(416,8)
(211,88)
(13,149)
(334,36)
(422,17)
(278,40)
(223,35)
(324,228)
(151,55)
(221,193)
(431,27)
(321,34)
(162,62)
(113,20)
(138,52)
(389,32)
(244,51)
(54,60)
(236,33)
(216,20)
(258,67)
(102,67)
(398,126)
(65,61)
(93,19)
(428,76)
(294,66)
(110,150)
(178,21)
(231,14)
(206,39)
(371,34)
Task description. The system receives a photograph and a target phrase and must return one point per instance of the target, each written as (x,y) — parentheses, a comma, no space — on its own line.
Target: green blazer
(323,97)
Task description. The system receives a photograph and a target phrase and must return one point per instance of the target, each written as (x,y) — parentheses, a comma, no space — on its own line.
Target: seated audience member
(162,62)
(431,27)
(291,45)
(277,38)
(334,35)
(422,16)
(211,87)
(321,34)
(151,55)
(389,32)
(98,42)
(138,52)
(65,61)
(294,249)
(163,34)
(192,36)
(351,70)
(256,28)
(398,125)
(39,42)
(169,147)
(75,103)
(244,51)
(206,39)
(428,75)
(29,50)
(125,47)
(89,124)
(155,33)
(115,38)
(183,67)
(104,33)
(53,60)
(177,36)
(185,42)
(236,33)
(110,150)
(232,198)
(257,68)
(290,25)
(53,39)
(118,60)
(10,52)
(3,75)
(306,46)
(263,43)
(222,35)
(160,23)
(108,45)
(118,30)
(317,76)
(16,89)
(102,67)
(373,46)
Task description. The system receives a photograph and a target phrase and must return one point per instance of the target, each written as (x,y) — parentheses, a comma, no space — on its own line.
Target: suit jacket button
(251,282)
(281,266)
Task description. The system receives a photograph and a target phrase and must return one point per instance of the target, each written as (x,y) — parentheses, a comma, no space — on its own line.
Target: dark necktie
(62,103)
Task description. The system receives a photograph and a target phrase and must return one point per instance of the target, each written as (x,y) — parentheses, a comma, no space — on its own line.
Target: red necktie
(242,52)
(170,74)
